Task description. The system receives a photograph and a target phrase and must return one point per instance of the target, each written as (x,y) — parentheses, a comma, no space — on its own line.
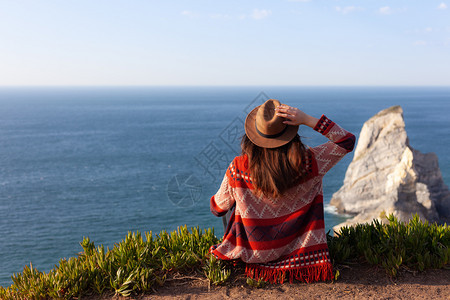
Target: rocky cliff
(388,176)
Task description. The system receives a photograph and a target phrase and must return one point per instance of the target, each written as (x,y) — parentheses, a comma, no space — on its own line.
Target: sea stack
(388,176)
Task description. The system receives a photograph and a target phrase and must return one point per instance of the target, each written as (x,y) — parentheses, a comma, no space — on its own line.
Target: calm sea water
(100,162)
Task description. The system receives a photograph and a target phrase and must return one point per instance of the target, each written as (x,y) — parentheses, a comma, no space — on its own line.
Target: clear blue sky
(277,42)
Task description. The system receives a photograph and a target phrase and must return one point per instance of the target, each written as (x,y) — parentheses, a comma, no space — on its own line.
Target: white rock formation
(388,176)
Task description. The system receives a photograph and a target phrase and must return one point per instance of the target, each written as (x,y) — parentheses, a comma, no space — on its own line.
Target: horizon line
(224,86)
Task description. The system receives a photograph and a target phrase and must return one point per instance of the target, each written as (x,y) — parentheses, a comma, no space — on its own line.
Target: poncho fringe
(321,272)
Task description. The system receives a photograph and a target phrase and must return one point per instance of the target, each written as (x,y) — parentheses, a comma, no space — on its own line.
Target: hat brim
(250,130)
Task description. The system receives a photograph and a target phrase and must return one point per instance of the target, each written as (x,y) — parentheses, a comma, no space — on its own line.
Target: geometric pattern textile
(282,237)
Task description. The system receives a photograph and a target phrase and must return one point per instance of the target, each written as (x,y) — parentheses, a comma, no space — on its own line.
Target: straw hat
(265,129)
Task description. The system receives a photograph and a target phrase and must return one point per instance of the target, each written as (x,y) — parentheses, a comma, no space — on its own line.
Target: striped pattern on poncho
(284,237)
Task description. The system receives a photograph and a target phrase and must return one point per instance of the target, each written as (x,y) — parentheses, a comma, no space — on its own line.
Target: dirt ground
(356,282)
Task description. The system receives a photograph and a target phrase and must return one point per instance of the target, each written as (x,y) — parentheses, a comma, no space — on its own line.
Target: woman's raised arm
(328,154)
(295,116)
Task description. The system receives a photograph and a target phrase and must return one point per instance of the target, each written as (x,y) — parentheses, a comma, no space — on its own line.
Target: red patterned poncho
(284,236)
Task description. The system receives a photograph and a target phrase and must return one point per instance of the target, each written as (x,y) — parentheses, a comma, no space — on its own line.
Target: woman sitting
(274,193)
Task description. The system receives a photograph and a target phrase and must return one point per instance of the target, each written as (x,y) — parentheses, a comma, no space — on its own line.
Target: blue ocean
(102,161)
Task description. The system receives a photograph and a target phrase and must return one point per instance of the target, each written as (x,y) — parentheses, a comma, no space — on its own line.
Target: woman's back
(276,234)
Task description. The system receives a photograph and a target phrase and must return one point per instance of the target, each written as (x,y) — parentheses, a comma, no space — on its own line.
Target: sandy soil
(356,282)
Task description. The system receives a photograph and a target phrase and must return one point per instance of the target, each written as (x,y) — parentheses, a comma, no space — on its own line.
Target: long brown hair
(274,170)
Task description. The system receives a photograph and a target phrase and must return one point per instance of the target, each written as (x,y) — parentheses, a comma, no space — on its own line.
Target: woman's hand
(295,116)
